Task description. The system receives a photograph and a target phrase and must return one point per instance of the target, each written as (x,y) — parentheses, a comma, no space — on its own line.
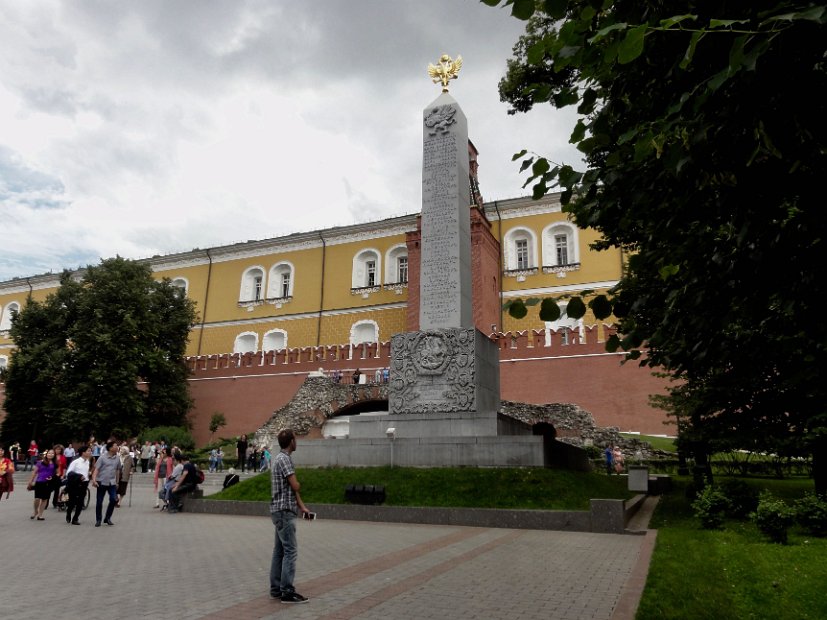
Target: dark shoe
(41,518)
(276,596)
(75,522)
(108,522)
(97,523)
(293,598)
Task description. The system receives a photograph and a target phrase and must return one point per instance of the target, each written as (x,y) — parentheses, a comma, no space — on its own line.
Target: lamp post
(391,433)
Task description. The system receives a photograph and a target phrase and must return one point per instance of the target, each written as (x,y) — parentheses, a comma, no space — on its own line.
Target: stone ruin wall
(319,399)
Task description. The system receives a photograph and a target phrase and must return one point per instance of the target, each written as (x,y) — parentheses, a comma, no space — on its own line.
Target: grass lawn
(666,444)
(530,488)
(734,572)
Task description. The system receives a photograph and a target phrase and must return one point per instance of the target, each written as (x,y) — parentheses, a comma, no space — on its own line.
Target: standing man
(69,453)
(31,455)
(146,452)
(241,452)
(15,453)
(105,478)
(284,508)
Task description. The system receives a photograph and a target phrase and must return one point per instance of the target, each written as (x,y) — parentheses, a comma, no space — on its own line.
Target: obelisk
(447,370)
(445,282)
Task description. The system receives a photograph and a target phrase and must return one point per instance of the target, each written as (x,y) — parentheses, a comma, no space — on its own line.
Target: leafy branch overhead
(703,145)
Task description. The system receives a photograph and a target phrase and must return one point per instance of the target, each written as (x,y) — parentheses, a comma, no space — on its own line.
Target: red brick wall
(247,402)
(615,394)
(485,267)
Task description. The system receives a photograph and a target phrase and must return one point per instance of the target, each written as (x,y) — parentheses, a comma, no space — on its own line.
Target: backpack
(199,475)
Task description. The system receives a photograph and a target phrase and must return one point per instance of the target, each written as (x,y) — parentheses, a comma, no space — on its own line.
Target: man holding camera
(285,506)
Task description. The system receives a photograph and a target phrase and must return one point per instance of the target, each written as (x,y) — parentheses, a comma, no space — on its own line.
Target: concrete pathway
(194,566)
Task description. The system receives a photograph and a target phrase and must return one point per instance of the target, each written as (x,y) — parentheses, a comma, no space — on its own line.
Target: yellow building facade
(349,284)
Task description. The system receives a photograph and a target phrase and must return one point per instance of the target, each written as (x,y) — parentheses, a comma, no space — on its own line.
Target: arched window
(520,250)
(280,283)
(367,266)
(364,331)
(396,265)
(5,319)
(181,283)
(274,340)
(246,342)
(568,329)
(252,285)
(560,245)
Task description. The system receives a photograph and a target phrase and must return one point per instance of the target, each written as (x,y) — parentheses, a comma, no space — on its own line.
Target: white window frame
(355,328)
(247,293)
(275,280)
(359,276)
(550,244)
(242,335)
(392,258)
(266,347)
(5,316)
(181,283)
(510,253)
(571,325)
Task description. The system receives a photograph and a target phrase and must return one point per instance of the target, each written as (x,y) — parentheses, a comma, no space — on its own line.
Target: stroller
(63,496)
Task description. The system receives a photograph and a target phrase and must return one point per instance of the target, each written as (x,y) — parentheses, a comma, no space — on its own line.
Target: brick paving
(200,566)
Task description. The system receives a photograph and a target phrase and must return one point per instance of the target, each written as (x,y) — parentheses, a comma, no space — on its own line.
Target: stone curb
(605,516)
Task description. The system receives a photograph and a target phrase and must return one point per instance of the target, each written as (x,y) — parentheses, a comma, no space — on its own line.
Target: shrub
(742,497)
(773,517)
(711,507)
(172,435)
(811,514)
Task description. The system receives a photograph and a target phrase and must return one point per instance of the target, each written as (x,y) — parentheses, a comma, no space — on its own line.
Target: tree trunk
(820,467)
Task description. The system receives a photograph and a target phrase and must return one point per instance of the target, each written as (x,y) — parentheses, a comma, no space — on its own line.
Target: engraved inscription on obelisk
(445,280)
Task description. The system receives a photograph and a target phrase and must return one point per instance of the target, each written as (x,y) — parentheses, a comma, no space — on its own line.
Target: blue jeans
(285,552)
(103,489)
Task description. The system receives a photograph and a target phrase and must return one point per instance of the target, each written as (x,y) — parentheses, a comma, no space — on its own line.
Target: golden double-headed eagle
(445,70)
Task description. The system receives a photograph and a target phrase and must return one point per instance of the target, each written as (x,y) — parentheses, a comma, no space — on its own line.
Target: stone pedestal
(441,371)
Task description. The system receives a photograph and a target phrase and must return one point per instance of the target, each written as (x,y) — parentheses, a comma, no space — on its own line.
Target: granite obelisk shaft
(445,283)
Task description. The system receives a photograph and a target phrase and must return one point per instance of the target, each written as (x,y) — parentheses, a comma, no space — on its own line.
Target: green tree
(103,355)
(704,148)
(217,421)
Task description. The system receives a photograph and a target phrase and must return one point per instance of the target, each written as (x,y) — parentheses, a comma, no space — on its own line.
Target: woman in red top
(60,464)
(6,471)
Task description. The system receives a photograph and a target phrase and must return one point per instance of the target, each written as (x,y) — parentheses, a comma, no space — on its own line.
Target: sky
(155,127)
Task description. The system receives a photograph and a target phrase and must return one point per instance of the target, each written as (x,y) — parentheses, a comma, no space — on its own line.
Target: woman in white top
(77,481)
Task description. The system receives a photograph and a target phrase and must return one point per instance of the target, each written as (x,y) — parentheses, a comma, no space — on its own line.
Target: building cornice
(558,290)
(305,315)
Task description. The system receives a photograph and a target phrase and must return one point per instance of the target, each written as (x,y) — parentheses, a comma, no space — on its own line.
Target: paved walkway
(194,566)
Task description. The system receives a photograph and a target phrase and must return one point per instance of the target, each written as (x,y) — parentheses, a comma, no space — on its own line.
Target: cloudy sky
(152,127)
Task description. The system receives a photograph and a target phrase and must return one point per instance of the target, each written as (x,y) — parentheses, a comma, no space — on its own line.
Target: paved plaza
(192,566)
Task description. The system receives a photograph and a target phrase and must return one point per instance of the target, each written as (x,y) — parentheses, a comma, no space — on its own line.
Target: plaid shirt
(283,497)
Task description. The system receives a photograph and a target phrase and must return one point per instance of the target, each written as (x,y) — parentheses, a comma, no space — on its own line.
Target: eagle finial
(445,70)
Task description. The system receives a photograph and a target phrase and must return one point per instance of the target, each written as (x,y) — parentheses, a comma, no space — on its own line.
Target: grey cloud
(55,101)
(23,185)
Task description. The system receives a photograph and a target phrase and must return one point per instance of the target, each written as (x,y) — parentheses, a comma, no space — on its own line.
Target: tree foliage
(704,148)
(101,356)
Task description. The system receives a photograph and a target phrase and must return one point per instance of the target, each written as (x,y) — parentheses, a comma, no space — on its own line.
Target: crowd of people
(250,457)
(62,475)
